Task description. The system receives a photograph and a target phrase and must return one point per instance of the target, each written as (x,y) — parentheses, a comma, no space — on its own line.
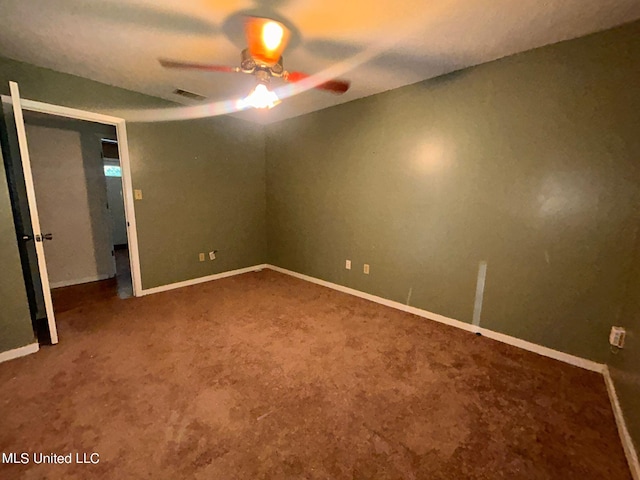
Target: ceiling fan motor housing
(249,65)
(262,75)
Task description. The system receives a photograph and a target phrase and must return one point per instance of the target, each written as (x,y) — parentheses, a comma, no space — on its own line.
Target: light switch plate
(137,194)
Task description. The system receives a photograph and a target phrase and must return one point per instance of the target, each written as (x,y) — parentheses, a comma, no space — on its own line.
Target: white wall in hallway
(72,199)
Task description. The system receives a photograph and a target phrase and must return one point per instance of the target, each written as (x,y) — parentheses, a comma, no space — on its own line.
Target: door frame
(125,167)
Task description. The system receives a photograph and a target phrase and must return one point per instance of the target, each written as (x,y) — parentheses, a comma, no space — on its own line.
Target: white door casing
(127,182)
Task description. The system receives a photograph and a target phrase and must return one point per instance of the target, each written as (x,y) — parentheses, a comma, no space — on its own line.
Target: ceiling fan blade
(334,86)
(198,66)
(266,39)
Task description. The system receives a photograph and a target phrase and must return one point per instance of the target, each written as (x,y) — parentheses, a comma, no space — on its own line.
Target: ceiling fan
(266,40)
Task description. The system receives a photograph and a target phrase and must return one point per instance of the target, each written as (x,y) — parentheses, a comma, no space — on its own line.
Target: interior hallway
(265,376)
(76,296)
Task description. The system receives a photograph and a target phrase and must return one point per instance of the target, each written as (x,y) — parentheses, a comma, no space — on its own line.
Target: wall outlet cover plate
(616,337)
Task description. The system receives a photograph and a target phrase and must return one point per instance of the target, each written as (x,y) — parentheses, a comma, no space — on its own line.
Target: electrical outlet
(366,269)
(616,337)
(137,194)
(347,264)
(212,255)
(201,257)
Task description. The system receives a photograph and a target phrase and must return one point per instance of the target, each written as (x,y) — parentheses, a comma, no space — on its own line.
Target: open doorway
(117,217)
(35,242)
(81,208)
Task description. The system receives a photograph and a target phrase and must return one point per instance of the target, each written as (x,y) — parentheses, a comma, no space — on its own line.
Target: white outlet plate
(347,264)
(616,337)
(201,257)
(212,255)
(366,269)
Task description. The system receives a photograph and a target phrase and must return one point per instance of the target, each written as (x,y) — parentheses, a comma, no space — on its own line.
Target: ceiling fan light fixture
(266,39)
(260,97)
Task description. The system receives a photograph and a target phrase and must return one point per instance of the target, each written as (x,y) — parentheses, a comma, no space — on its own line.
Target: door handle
(26,238)
(43,237)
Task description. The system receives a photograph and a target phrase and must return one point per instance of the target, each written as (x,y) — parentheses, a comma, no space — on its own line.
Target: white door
(33,209)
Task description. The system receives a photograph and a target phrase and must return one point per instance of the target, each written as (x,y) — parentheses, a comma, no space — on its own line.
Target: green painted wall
(203,183)
(15,321)
(529,163)
(203,186)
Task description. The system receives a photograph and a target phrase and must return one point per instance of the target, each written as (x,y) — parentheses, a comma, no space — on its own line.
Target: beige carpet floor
(263,376)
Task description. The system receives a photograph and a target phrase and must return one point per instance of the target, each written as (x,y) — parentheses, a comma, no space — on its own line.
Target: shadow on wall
(50,86)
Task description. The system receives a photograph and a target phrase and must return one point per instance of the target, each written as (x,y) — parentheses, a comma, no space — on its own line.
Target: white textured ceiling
(377,44)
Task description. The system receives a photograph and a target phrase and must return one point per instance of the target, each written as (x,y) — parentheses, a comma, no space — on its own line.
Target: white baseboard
(517,342)
(19,352)
(625,436)
(195,281)
(545,351)
(68,283)
(627,442)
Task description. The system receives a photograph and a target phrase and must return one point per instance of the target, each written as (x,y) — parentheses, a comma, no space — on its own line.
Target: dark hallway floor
(263,376)
(86,294)
(123,272)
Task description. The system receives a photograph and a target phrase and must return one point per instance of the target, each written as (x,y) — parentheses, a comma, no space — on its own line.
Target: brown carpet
(263,376)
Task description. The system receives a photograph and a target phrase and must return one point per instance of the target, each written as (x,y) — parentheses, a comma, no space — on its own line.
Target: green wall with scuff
(530,163)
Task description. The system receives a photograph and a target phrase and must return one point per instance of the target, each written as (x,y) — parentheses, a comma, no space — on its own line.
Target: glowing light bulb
(272,34)
(260,97)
